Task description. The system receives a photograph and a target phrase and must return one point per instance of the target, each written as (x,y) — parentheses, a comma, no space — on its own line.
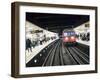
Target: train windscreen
(69,33)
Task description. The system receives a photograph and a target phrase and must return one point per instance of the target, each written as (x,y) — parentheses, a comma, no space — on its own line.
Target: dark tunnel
(56,22)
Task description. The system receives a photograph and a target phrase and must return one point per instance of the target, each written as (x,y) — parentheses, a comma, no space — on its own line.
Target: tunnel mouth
(56,22)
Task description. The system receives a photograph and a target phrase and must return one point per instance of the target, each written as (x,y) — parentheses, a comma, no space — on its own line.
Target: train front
(69,37)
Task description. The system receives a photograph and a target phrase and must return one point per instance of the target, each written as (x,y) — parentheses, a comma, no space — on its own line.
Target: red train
(69,36)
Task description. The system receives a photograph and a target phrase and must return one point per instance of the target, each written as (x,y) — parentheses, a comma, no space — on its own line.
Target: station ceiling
(56,22)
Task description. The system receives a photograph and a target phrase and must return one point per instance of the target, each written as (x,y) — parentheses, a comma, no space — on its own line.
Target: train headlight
(72,37)
(66,38)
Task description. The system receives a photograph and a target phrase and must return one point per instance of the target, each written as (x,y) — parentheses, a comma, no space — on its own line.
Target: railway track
(62,55)
(59,54)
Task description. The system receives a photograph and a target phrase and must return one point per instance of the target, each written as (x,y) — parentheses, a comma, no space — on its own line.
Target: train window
(65,34)
(69,33)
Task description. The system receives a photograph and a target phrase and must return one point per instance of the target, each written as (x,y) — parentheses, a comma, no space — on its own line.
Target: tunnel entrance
(56,22)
